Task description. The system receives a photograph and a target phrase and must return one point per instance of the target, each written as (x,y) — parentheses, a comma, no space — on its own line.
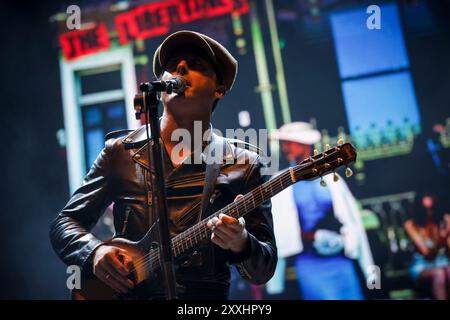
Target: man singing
(121,170)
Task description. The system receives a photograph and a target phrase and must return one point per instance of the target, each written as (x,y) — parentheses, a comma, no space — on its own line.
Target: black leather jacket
(118,176)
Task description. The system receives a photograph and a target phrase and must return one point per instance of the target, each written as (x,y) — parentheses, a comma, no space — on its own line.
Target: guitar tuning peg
(322,182)
(340,141)
(327,147)
(316,152)
(348,172)
(335,177)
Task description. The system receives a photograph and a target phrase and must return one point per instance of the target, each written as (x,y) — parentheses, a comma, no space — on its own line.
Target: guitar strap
(211,173)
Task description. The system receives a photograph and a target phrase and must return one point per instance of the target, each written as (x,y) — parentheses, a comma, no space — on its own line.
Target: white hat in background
(301,132)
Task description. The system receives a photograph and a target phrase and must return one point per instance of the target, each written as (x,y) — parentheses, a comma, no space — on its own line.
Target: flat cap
(224,63)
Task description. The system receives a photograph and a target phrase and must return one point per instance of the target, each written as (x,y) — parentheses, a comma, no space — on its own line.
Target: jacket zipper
(125,222)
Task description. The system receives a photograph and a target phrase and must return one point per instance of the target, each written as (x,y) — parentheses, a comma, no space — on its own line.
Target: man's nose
(182,67)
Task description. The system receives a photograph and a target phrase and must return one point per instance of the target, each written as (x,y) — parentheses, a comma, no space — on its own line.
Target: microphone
(176,84)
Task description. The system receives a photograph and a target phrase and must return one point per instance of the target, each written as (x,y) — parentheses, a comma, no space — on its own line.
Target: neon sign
(146,21)
(155,19)
(84,42)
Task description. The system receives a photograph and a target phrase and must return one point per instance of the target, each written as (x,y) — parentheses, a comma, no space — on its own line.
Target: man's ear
(220,91)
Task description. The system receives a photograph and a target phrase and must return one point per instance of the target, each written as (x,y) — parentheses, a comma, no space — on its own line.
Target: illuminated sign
(155,19)
(146,21)
(83,42)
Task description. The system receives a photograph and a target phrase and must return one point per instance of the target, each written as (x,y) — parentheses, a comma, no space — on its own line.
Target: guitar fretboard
(192,236)
(311,168)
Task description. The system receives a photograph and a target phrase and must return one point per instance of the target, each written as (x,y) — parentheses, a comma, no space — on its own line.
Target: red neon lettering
(155,19)
(190,10)
(152,20)
(240,6)
(126,27)
(219,7)
(79,43)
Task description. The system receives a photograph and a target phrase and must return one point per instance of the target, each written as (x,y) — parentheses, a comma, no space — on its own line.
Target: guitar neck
(237,209)
(311,168)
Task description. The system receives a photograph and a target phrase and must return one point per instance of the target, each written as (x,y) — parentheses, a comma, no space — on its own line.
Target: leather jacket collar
(138,139)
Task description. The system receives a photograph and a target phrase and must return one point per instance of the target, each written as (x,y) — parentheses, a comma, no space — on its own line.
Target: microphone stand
(150,103)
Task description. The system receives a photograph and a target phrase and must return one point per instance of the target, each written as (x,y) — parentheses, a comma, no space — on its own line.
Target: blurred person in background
(322,225)
(429,229)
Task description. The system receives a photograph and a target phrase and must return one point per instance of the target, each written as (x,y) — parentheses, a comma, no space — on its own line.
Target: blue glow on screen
(380,100)
(361,50)
(93,116)
(95,141)
(116,111)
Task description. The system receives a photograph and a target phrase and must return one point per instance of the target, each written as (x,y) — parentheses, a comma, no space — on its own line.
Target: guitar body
(95,289)
(143,275)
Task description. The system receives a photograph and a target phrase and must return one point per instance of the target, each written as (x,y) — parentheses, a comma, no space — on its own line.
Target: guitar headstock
(328,161)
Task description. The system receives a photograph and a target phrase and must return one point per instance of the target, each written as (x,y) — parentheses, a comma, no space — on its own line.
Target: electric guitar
(145,252)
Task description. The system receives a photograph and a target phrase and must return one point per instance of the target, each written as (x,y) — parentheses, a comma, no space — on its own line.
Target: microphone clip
(149,92)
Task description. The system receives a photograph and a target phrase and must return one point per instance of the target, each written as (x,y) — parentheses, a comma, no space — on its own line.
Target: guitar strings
(150,258)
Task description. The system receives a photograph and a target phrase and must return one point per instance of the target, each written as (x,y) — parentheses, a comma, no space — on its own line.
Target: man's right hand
(112,265)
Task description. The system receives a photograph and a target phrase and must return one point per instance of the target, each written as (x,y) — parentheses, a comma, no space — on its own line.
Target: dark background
(35,183)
